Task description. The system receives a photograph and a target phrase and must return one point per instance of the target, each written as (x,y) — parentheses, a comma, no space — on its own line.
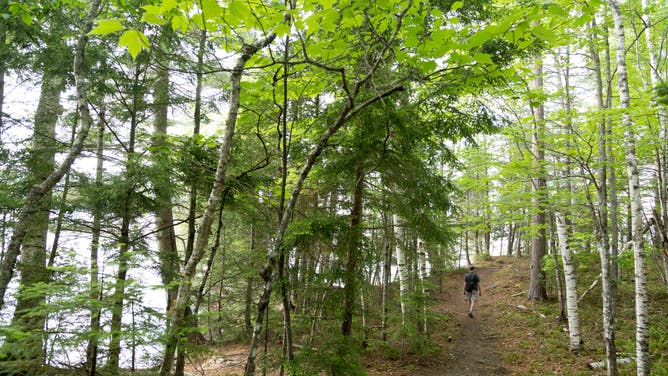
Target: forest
(298,177)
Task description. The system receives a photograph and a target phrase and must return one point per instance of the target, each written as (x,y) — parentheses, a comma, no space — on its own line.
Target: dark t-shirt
(472,281)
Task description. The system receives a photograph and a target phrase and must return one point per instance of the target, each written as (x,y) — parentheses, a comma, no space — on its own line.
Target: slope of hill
(508,335)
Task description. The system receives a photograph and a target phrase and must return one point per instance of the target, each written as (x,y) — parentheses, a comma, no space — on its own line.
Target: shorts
(472,296)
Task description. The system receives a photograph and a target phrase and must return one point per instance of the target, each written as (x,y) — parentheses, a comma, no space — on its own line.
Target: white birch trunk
(640,267)
(607,249)
(662,153)
(401,268)
(575,340)
(422,274)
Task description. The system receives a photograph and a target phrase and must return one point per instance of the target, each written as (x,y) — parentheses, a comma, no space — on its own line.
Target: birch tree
(402,272)
(422,277)
(575,339)
(606,248)
(661,215)
(633,176)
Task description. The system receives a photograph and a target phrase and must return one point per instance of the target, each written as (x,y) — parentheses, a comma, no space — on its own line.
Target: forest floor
(507,336)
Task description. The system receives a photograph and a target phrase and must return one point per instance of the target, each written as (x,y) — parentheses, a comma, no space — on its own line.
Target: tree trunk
(32,266)
(640,268)
(354,241)
(401,267)
(3,66)
(164,219)
(188,273)
(537,290)
(575,341)
(662,152)
(387,271)
(249,286)
(601,220)
(95,288)
(422,276)
(124,246)
(39,191)
(557,272)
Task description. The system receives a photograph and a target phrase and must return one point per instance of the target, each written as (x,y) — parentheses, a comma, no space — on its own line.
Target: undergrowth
(537,340)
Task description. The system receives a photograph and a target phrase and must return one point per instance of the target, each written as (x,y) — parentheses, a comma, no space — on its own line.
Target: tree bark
(39,191)
(662,149)
(422,277)
(601,220)
(95,293)
(537,290)
(640,267)
(188,272)
(354,238)
(387,270)
(401,267)
(575,340)
(164,218)
(32,265)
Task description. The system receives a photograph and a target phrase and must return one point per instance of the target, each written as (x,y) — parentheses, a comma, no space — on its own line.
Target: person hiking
(472,288)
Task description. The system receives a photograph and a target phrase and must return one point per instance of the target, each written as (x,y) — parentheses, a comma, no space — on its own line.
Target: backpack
(471,280)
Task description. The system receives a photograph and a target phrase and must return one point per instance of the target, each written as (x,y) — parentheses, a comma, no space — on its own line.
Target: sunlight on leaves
(134,41)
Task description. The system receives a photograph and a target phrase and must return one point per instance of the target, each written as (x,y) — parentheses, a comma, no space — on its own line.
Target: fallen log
(590,288)
(597,365)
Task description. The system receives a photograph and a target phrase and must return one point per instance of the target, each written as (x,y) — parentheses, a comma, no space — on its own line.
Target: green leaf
(180,22)
(479,38)
(134,40)
(330,19)
(167,5)
(456,5)
(483,58)
(211,8)
(282,29)
(238,10)
(544,33)
(105,27)
(153,15)
(26,18)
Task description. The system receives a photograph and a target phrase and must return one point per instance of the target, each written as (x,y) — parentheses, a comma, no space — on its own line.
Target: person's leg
(472,299)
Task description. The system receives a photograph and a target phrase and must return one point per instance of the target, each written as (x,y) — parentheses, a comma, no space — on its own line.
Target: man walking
(472,288)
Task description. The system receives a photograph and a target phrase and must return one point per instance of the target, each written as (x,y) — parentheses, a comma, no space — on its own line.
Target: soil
(475,351)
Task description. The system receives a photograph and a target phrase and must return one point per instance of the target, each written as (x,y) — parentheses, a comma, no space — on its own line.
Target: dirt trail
(475,350)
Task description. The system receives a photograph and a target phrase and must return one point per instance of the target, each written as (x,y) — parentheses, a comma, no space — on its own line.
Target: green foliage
(385,349)
(661,92)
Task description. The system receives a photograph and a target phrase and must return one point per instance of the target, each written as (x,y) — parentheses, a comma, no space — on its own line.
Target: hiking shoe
(470,314)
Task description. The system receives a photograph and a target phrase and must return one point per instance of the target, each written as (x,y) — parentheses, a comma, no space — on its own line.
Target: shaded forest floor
(507,336)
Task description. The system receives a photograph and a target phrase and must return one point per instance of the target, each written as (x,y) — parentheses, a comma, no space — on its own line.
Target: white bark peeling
(401,269)
(640,268)
(422,275)
(575,340)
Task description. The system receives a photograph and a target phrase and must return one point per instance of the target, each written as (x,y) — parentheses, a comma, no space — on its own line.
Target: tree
(43,187)
(640,269)
(575,341)
(185,281)
(538,240)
